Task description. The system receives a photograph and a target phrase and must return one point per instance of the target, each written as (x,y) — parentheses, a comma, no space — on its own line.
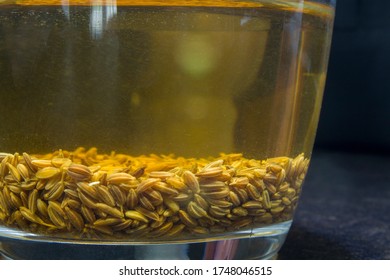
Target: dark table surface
(344,210)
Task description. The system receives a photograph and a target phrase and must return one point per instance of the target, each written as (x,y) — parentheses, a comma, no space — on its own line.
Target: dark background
(356,107)
(344,211)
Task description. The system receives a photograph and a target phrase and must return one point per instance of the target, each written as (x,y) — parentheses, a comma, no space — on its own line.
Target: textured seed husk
(26,213)
(220,203)
(271,188)
(266,200)
(132,199)
(171,204)
(181,197)
(42,208)
(210,172)
(105,196)
(199,230)
(234,198)
(71,193)
(252,204)
(103,229)
(175,230)
(187,219)
(118,195)
(286,201)
(88,202)
(27,186)
(109,210)
(24,198)
(73,204)
(160,231)
(148,183)
(89,190)
(135,215)
(40,163)
(14,189)
(240,182)
(139,231)
(201,201)
(277,210)
(253,192)
(161,174)
(56,216)
(154,197)
(242,223)
(79,172)
(88,214)
(23,171)
(165,188)
(16,202)
(27,160)
(56,192)
(32,201)
(119,178)
(242,194)
(14,172)
(158,223)
(218,212)
(240,211)
(145,202)
(147,213)
(107,222)
(191,181)
(122,226)
(212,185)
(74,218)
(176,183)
(60,162)
(195,210)
(47,173)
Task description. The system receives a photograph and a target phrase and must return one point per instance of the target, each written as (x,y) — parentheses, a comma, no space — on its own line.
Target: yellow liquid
(193,78)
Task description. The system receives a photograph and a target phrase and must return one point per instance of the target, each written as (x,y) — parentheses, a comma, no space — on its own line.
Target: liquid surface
(194,81)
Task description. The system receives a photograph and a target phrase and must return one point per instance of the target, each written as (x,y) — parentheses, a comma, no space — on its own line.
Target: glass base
(262,243)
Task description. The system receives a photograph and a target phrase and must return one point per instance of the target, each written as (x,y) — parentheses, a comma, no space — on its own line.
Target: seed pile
(91,195)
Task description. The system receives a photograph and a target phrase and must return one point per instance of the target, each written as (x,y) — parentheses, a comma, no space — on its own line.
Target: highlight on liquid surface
(231,86)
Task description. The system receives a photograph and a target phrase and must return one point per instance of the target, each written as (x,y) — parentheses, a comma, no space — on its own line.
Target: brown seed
(176,183)
(42,208)
(201,201)
(221,194)
(23,171)
(132,199)
(171,204)
(154,197)
(181,197)
(14,172)
(240,182)
(147,213)
(28,162)
(148,183)
(210,172)
(187,219)
(234,198)
(60,162)
(165,188)
(218,212)
(107,222)
(40,163)
(118,195)
(253,192)
(195,210)
(145,202)
(16,202)
(119,178)
(47,173)
(212,185)
(242,223)
(252,204)
(135,215)
(240,211)
(79,172)
(88,214)
(88,202)
(105,196)
(161,174)
(266,200)
(88,190)
(56,214)
(74,218)
(109,210)
(55,193)
(32,201)
(122,226)
(191,181)
(175,230)
(199,230)
(219,202)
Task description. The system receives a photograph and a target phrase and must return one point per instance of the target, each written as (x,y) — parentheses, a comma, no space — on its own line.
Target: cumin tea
(201,116)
